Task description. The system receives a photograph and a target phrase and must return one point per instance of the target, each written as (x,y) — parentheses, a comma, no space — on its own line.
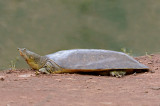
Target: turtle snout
(20,51)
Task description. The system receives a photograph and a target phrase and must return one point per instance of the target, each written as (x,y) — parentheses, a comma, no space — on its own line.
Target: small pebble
(2,78)
(152,71)
(149,62)
(135,74)
(146,92)
(156,68)
(155,88)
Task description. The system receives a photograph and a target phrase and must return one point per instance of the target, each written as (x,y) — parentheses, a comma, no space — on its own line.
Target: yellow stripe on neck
(33,64)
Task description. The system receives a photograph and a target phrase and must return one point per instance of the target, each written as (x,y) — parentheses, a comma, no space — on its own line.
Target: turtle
(99,61)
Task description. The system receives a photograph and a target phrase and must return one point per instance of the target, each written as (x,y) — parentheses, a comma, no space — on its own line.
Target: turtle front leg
(43,70)
(50,67)
(117,74)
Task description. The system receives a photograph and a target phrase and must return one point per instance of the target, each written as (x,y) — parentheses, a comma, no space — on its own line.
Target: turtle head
(34,60)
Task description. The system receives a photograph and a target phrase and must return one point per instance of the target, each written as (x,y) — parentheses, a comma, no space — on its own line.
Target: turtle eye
(24,49)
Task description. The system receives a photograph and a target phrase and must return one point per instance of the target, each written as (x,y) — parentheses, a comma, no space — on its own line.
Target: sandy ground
(24,88)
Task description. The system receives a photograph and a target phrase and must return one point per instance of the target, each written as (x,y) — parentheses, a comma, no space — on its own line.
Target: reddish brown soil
(142,89)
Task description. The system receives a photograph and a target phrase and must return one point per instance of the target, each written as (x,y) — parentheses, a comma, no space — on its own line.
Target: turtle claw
(37,72)
(117,74)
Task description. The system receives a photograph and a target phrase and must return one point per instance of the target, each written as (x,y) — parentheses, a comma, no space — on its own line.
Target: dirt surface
(24,88)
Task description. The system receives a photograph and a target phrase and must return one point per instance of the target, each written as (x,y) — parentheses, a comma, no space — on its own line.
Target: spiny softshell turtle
(83,60)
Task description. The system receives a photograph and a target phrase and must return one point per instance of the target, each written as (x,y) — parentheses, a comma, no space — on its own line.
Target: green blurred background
(46,26)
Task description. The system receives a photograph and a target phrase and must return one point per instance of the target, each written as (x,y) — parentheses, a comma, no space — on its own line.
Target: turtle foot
(43,70)
(117,74)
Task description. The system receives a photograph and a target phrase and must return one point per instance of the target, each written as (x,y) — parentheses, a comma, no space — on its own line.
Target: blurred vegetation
(46,26)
